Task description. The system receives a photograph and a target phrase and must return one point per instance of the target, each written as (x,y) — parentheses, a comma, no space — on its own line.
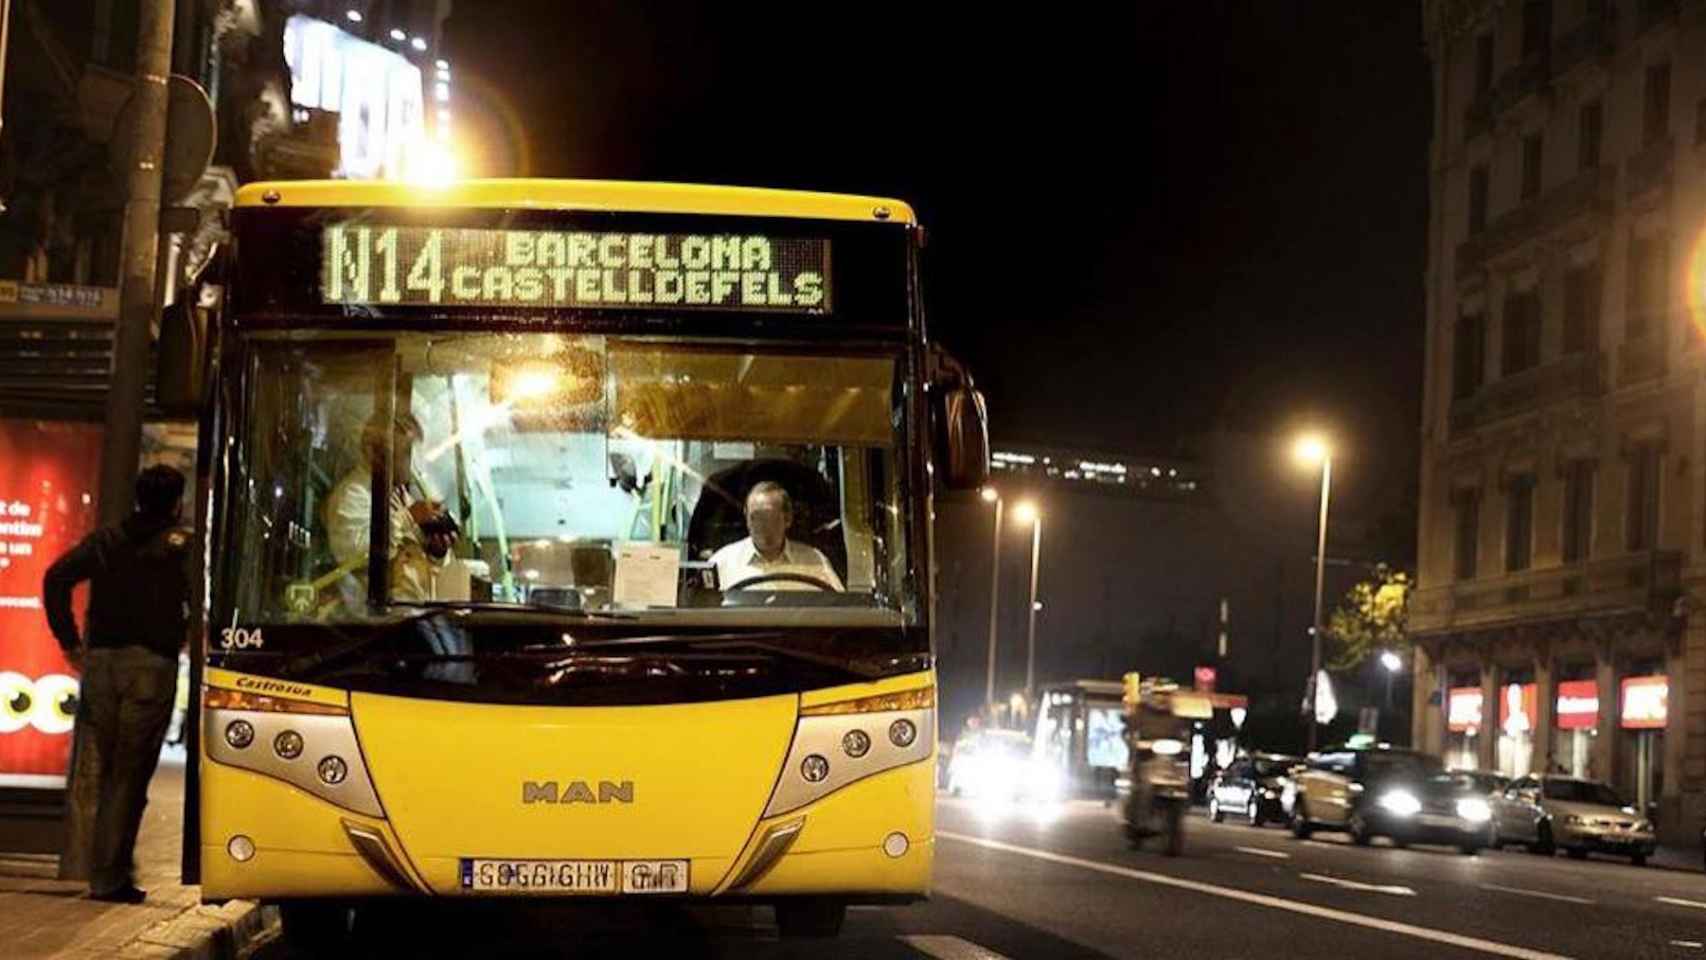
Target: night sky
(1145,223)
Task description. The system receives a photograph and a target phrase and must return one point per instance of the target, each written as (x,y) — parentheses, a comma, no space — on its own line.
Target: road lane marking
(949,948)
(1262,899)
(1696,904)
(1535,893)
(1354,885)
(1259,852)
(1690,944)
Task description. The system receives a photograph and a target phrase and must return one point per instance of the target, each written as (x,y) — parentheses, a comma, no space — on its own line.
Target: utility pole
(138,304)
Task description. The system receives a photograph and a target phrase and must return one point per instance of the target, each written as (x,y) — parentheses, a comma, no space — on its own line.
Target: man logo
(577,791)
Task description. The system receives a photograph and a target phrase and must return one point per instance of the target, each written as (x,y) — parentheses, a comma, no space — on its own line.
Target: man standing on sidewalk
(128,654)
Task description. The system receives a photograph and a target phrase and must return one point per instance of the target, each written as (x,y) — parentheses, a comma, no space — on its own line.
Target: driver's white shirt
(741,561)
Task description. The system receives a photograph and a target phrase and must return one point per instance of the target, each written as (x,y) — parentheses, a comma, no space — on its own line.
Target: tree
(1372,616)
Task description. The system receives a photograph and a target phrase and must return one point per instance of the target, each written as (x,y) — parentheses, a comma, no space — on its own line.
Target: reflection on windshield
(568,473)
(1401,764)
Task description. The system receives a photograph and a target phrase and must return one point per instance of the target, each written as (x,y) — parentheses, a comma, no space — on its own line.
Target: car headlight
(1270,793)
(1474,809)
(1401,803)
(1643,826)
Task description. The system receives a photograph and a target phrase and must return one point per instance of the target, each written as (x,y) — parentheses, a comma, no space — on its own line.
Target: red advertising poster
(1463,708)
(47,504)
(1646,702)
(1517,708)
(1205,677)
(1578,705)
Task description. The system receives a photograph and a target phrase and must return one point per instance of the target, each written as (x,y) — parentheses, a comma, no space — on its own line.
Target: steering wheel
(782,578)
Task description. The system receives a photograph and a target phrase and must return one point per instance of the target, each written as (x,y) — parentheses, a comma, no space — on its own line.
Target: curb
(204,933)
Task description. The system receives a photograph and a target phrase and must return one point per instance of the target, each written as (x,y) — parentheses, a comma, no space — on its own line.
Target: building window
(1532,151)
(1477,200)
(1521,347)
(1578,510)
(1468,532)
(1582,289)
(1469,358)
(1483,64)
(1643,520)
(1649,264)
(1519,522)
(1655,118)
(1536,28)
(1591,126)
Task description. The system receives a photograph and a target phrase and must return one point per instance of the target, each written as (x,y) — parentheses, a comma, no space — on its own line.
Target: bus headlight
(841,729)
(235,720)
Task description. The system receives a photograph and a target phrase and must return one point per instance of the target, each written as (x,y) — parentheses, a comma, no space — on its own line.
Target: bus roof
(600,195)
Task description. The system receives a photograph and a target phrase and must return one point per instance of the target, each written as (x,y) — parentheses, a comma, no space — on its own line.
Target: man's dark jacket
(139,582)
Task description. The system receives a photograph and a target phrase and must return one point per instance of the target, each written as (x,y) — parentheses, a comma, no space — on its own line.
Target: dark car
(1402,795)
(1251,788)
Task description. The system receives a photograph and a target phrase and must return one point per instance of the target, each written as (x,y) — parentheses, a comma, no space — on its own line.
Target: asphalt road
(1010,883)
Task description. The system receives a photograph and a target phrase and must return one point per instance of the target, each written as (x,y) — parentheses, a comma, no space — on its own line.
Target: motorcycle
(1159,797)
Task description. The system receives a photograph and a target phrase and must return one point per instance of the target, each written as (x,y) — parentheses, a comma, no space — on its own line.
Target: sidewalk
(41,917)
(1678,858)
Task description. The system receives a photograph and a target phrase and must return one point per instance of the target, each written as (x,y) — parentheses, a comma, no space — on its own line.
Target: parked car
(1550,812)
(1251,788)
(1402,795)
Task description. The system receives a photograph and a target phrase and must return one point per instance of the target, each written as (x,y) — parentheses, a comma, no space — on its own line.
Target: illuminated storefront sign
(1578,705)
(1646,702)
(1517,708)
(1463,709)
(363,265)
(375,92)
(46,506)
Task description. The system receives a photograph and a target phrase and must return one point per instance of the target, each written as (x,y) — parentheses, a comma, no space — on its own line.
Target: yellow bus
(645,607)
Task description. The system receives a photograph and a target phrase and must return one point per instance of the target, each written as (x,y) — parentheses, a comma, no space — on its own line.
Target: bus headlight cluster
(838,743)
(311,746)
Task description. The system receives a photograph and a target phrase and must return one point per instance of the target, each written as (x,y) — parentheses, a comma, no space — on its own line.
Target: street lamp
(1026,512)
(1393,663)
(1312,449)
(992,495)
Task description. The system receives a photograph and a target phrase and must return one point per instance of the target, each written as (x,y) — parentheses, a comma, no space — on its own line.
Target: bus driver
(421,532)
(767,550)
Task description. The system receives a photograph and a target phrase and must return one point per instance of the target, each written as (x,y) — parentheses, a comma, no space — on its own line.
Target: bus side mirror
(180,374)
(962,425)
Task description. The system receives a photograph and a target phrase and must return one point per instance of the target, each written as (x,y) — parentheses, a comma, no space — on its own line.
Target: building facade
(1562,533)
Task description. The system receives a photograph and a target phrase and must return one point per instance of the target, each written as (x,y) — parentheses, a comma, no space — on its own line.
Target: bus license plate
(574,876)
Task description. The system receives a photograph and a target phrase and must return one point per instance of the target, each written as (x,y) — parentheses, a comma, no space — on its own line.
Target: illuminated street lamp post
(1312,449)
(1393,663)
(991,495)
(1027,512)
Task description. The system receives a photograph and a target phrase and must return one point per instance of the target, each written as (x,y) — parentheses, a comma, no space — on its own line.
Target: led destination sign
(381,265)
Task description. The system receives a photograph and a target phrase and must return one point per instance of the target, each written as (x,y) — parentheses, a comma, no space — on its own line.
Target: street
(1008,884)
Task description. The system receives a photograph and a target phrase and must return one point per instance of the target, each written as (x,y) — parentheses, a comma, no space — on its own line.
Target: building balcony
(1581,376)
(1649,169)
(1526,79)
(1643,358)
(1636,582)
(1593,39)
(1591,192)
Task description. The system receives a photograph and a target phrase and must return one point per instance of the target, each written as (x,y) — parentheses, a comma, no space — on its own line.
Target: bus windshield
(582,474)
